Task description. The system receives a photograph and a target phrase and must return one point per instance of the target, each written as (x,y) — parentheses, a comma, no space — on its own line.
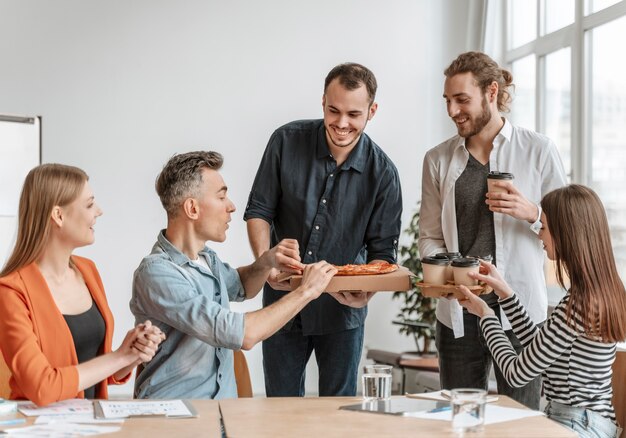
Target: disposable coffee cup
(450,256)
(435,270)
(498,176)
(462,267)
(486,258)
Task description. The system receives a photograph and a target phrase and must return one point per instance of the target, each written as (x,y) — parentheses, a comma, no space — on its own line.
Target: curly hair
(485,71)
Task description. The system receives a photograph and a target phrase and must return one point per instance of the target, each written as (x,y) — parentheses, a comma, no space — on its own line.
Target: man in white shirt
(458,215)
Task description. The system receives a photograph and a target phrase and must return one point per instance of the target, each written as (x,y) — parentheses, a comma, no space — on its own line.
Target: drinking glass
(468,409)
(376,382)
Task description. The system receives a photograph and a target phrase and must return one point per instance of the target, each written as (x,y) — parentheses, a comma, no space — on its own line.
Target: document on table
(61,430)
(493,414)
(443,395)
(72,406)
(144,408)
(75,418)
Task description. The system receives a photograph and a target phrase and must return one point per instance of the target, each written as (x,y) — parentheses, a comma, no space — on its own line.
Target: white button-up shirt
(534,161)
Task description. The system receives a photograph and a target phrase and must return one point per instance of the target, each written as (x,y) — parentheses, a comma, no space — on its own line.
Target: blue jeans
(585,422)
(286,353)
(465,362)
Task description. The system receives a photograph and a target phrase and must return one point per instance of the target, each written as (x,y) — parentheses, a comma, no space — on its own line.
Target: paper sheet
(443,395)
(125,409)
(61,430)
(493,414)
(75,418)
(72,406)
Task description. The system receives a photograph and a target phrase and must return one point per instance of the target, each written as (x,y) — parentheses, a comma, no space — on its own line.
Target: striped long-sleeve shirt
(576,370)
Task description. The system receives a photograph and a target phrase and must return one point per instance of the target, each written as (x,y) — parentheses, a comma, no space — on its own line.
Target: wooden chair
(5,374)
(242,375)
(619,389)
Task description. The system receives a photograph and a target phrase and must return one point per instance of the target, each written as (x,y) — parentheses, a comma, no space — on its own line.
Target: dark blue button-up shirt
(345,214)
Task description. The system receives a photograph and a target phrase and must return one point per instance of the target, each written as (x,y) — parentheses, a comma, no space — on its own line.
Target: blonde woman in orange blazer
(56,327)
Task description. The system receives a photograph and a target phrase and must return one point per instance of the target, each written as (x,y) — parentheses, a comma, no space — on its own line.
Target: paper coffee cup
(498,176)
(462,267)
(450,256)
(435,269)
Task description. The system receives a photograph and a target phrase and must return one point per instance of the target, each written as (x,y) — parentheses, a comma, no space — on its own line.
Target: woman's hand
(141,343)
(491,277)
(474,304)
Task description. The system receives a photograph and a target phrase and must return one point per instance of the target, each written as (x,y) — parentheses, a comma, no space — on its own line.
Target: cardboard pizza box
(399,280)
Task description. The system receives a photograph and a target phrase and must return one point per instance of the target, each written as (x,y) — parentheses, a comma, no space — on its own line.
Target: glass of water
(468,409)
(376,382)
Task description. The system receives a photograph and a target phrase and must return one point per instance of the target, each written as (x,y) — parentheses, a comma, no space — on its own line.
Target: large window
(567,64)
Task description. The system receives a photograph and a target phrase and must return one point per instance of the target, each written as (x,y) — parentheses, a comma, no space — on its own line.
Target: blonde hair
(45,187)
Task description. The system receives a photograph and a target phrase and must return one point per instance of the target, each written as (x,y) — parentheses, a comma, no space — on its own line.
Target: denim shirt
(190,304)
(342,214)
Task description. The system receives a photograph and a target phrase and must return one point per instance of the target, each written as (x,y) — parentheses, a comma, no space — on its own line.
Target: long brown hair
(485,71)
(45,187)
(582,249)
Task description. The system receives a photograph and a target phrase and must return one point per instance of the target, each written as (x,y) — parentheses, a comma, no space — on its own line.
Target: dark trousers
(286,354)
(466,362)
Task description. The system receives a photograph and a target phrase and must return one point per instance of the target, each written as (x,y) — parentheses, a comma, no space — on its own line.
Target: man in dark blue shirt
(329,186)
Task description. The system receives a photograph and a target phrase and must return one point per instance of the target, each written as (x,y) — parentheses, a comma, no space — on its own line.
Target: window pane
(558,14)
(522,22)
(608,136)
(557,102)
(596,5)
(523,107)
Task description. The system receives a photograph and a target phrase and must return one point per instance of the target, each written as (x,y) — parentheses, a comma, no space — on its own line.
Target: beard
(476,124)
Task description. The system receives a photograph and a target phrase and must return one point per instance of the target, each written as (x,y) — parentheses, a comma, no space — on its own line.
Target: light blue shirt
(190,304)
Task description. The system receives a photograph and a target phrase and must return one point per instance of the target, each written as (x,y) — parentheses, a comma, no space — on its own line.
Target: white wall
(122,85)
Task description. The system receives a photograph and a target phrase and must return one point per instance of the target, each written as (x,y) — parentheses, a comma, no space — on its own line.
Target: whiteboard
(20,151)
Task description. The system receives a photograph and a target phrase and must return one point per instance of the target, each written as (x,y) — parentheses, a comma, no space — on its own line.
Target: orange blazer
(35,340)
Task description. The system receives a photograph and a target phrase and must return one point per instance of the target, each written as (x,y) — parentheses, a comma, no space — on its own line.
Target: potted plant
(417,315)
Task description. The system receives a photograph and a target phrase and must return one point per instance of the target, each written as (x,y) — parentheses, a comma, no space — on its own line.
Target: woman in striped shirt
(575,348)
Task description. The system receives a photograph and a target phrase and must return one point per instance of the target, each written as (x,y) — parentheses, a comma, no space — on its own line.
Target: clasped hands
(141,343)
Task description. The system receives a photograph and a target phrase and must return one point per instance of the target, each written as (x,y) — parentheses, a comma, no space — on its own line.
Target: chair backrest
(242,375)
(619,389)
(5,374)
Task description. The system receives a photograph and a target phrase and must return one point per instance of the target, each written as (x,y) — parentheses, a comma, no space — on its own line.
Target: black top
(345,214)
(88,333)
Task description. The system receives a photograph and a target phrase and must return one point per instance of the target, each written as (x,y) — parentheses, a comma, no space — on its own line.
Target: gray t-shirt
(474,220)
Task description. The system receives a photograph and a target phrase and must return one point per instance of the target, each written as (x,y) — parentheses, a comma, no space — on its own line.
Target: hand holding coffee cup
(492,278)
(503,197)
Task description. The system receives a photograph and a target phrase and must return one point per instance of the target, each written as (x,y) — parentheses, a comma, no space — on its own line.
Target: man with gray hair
(185,288)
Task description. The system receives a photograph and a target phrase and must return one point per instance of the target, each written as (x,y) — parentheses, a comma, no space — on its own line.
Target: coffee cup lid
(465,262)
(500,175)
(449,255)
(440,261)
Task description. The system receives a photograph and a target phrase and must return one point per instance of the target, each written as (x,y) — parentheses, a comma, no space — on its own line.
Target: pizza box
(399,280)
(450,290)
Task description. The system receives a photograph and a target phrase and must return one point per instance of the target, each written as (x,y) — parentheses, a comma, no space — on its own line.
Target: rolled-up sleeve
(266,190)
(383,229)
(166,292)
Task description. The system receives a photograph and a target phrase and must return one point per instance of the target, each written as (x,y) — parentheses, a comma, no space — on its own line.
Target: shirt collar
(357,157)
(174,253)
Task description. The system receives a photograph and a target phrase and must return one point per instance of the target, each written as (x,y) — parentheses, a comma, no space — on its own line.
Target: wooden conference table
(319,418)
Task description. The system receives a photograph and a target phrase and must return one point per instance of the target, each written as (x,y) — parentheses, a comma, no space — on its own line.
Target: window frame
(579,40)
